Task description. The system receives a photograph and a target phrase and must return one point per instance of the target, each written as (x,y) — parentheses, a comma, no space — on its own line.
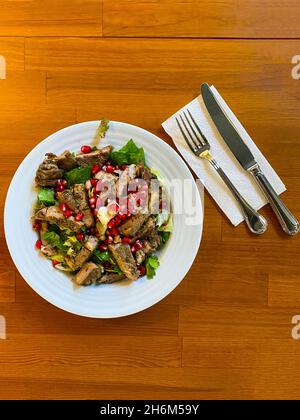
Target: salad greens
(53,239)
(46,196)
(151,265)
(79,175)
(128,154)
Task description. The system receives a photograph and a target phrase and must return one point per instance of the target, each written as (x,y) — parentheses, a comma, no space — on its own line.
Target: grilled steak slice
(110,278)
(144,173)
(150,245)
(66,161)
(133,225)
(82,203)
(53,214)
(144,230)
(83,255)
(67,198)
(125,260)
(154,239)
(99,157)
(88,274)
(48,172)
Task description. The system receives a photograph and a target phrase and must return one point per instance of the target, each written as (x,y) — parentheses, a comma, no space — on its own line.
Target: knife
(226,128)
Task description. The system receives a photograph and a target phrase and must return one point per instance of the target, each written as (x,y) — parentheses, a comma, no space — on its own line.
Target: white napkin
(243,181)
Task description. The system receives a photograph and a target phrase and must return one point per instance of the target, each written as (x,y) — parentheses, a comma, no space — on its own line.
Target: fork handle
(288,222)
(255,222)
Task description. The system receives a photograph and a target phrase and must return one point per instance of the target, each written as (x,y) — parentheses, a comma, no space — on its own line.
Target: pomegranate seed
(79,217)
(95,169)
(37,225)
(109,240)
(60,188)
(123,216)
(142,270)
(86,149)
(124,167)
(102,247)
(133,249)
(80,236)
(95,212)
(110,169)
(113,232)
(54,263)
(111,224)
(92,206)
(92,231)
(126,240)
(38,244)
(138,244)
(68,213)
(64,182)
(118,220)
(94,182)
(92,200)
(107,264)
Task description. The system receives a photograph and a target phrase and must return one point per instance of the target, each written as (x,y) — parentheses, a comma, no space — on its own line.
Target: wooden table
(225,332)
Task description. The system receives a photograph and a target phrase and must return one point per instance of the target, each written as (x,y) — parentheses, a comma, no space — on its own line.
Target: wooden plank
(235,322)
(202,18)
(7,286)
(93,351)
(284,290)
(51,18)
(12,49)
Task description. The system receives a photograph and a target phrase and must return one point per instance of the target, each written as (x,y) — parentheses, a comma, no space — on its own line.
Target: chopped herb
(79,175)
(100,257)
(54,240)
(46,196)
(128,154)
(151,265)
(164,237)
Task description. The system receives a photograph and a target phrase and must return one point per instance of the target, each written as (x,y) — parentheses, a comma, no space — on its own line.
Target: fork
(200,146)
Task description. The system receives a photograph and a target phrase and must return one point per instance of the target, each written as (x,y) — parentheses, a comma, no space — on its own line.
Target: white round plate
(105,301)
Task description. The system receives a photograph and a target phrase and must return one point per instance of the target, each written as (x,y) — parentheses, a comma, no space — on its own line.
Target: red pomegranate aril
(86,149)
(124,167)
(94,182)
(37,225)
(123,216)
(64,182)
(55,263)
(142,270)
(80,236)
(68,213)
(92,206)
(102,247)
(133,249)
(60,188)
(110,169)
(92,200)
(126,240)
(138,244)
(79,217)
(111,224)
(92,230)
(38,244)
(95,211)
(63,207)
(109,240)
(113,232)
(107,264)
(96,169)
(118,220)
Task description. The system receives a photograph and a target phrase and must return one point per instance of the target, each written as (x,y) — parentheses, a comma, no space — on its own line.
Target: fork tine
(191,146)
(194,141)
(196,136)
(203,138)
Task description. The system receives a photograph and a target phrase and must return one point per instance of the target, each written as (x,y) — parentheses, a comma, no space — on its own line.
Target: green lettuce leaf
(54,240)
(79,175)
(151,265)
(164,237)
(100,257)
(46,196)
(128,154)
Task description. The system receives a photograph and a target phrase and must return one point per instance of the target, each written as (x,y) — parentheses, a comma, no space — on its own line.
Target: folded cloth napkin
(242,180)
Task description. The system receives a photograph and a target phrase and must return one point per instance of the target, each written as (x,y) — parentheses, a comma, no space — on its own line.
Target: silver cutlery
(288,222)
(200,146)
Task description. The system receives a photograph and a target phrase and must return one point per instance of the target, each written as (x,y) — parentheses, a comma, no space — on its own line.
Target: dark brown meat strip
(125,260)
(53,214)
(88,274)
(83,255)
(67,198)
(111,278)
(133,225)
(48,172)
(66,161)
(99,157)
(82,203)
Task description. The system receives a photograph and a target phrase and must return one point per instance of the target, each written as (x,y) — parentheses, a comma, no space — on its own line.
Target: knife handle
(255,221)
(288,222)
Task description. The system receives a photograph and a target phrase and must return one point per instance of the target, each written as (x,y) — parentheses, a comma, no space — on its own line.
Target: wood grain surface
(225,332)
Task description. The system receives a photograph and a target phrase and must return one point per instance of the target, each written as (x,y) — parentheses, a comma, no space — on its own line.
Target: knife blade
(245,157)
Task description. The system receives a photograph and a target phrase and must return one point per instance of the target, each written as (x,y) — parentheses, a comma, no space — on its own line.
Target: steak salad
(101,214)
